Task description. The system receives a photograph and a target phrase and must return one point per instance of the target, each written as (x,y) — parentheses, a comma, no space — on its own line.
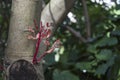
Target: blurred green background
(96,59)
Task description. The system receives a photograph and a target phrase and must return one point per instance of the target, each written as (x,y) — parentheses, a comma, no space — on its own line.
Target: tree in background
(90,39)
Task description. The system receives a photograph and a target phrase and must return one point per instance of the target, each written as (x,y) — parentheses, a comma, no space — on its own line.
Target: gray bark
(55,11)
(23,13)
(87,20)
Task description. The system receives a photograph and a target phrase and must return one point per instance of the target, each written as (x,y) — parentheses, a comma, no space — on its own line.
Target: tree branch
(43,4)
(87,21)
(77,34)
(55,11)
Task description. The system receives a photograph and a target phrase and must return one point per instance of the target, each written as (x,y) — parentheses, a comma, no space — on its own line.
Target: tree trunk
(19,51)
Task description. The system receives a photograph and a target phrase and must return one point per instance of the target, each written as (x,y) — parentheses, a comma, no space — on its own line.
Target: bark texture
(22,70)
(20,50)
(55,11)
(23,13)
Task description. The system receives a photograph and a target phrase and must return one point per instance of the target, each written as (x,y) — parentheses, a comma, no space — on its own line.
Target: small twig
(87,21)
(77,34)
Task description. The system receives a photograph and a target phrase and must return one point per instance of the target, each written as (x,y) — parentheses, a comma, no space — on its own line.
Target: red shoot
(43,34)
(35,23)
(56,44)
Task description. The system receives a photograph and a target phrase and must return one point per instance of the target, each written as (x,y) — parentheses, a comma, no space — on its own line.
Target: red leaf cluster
(43,34)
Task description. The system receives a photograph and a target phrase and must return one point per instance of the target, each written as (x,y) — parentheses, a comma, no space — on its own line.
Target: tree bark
(19,51)
(55,11)
(87,20)
(19,48)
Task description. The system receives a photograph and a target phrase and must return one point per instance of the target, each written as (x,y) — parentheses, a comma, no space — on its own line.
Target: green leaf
(1,18)
(94,63)
(104,55)
(1,78)
(103,68)
(107,42)
(64,58)
(84,65)
(64,75)
(116,33)
(112,41)
(92,49)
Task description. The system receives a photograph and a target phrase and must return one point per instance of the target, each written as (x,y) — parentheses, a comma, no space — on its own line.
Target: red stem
(37,48)
(37,45)
(35,23)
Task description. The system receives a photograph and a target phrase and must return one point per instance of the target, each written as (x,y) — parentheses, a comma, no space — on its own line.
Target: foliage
(64,75)
(4,23)
(97,59)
